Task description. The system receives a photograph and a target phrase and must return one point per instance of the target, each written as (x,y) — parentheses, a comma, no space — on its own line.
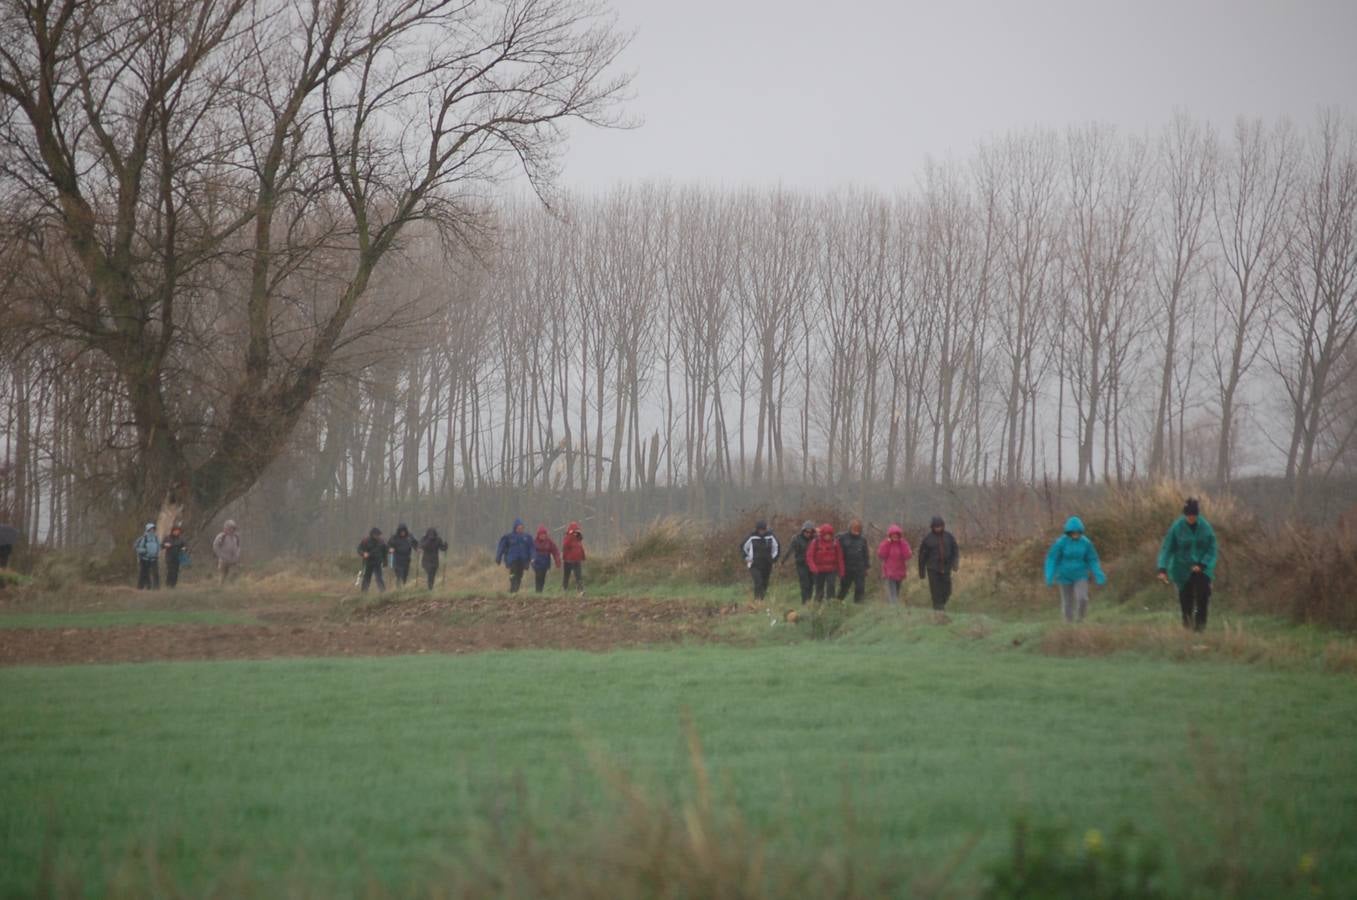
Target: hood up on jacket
(518,523)
(894,531)
(807,525)
(572,528)
(936,522)
(1073,524)
(402,529)
(827,531)
(150,526)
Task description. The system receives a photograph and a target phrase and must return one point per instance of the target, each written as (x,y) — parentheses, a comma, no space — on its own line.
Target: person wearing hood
(572,556)
(1188,559)
(402,546)
(226,547)
(429,547)
(800,544)
(855,561)
(1071,561)
(939,557)
(373,551)
(825,559)
(544,553)
(147,548)
(894,553)
(760,550)
(175,548)
(515,550)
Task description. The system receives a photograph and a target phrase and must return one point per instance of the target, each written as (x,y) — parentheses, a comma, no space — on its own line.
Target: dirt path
(392,628)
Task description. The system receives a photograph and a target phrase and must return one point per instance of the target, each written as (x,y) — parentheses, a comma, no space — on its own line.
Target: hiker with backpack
(373,551)
(1070,562)
(760,550)
(429,547)
(894,553)
(147,548)
(515,550)
(1187,557)
(572,556)
(544,553)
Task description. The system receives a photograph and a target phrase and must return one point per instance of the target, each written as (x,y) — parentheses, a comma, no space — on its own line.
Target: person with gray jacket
(226,547)
(147,548)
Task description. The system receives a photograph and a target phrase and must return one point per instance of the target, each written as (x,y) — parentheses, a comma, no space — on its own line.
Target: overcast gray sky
(820,93)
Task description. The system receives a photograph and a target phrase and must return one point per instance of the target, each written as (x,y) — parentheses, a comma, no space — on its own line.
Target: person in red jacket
(894,553)
(544,553)
(572,553)
(825,559)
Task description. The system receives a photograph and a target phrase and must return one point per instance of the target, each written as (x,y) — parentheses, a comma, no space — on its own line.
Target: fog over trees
(270,256)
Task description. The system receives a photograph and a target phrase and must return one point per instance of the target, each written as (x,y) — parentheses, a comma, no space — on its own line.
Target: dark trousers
(373,569)
(824,586)
(172,570)
(430,573)
(1194,597)
(807,582)
(578,569)
(539,578)
(939,588)
(4,555)
(401,567)
(760,572)
(857,580)
(148,577)
(516,570)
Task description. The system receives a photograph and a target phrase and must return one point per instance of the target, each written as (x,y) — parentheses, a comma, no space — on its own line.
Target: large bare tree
(228,175)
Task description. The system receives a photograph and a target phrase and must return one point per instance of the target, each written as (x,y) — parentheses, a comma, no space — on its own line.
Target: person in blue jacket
(515,551)
(1072,560)
(1188,559)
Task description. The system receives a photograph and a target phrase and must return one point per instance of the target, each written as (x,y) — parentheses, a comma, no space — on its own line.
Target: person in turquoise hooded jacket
(1072,560)
(1188,559)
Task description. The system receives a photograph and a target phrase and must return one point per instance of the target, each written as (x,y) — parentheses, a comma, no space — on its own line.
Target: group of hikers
(828,564)
(174,547)
(824,559)
(1187,559)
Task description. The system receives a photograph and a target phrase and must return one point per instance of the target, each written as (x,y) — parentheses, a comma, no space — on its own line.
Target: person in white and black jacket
(761,550)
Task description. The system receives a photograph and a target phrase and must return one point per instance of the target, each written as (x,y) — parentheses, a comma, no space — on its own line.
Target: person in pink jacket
(895,554)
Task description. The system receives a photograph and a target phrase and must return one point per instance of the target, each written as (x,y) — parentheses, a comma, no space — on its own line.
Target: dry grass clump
(1230,642)
(1305,572)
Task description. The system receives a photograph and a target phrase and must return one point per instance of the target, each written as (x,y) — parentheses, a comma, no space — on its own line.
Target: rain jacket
(226,546)
(855,552)
(1071,560)
(572,548)
(799,545)
(1185,546)
(429,545)
(894,555)
(544,550)
(148,545)
(825,554)
(938,553)
(402,543)
(514,547)
(375,548)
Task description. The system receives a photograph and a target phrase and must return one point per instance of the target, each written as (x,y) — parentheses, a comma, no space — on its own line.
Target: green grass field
(913,746)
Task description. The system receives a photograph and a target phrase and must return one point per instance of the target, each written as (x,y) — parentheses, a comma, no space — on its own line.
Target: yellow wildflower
(1093,841)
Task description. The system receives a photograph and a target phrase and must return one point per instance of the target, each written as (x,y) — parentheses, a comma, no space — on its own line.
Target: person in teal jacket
(1188,559)
(1072,560)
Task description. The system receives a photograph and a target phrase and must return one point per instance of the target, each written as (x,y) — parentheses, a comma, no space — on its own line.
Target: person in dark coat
(175,547)
(147,548)
(1188,559)
(760,550)
(825,558)
(939,557)
(544,553)
(9,536)
(572,557)
(856,559)
(429,547)
(373,551)
(515,551)
(799,545)
(402,546)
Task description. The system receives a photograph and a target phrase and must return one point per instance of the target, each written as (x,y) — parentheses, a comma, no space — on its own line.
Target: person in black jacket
(855,561)
(373,552)
(429,547)
(174,546)
(402,546)
(799,545)
(761,550)
(939,557)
